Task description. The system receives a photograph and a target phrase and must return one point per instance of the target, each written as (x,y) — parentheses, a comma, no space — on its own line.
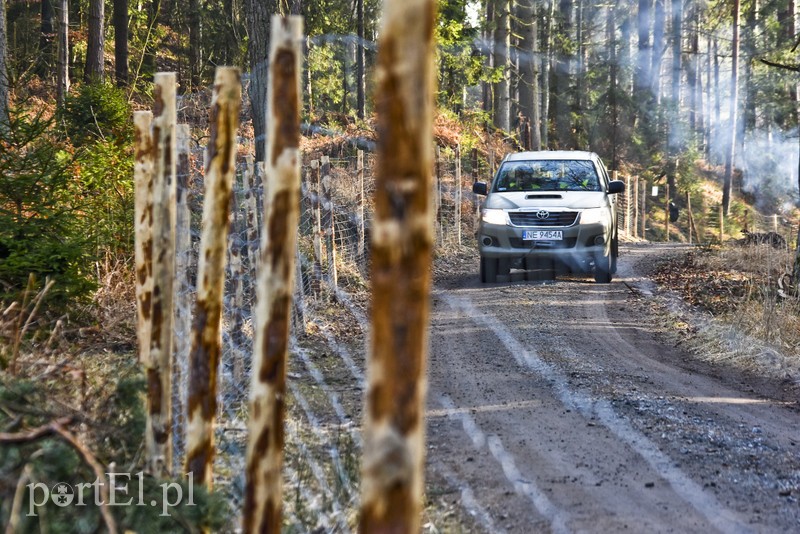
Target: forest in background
(660,89)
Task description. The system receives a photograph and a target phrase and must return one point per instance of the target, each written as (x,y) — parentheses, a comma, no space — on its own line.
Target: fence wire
(329,325)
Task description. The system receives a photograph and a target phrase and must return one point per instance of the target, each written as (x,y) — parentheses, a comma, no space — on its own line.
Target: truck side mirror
(616,186)
(479,188)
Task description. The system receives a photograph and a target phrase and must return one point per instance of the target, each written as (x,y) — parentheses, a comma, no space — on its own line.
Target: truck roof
(552,155)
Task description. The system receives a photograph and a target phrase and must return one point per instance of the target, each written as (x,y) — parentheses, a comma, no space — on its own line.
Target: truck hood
(546,199)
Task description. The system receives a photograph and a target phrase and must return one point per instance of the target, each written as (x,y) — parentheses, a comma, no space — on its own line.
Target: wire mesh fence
(331,298)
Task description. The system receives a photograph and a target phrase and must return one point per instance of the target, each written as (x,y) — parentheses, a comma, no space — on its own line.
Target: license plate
(542,235)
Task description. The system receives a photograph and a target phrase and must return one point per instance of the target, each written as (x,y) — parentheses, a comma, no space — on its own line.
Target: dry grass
(752,325)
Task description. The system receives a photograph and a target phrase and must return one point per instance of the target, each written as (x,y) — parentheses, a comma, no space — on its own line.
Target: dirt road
(565,406)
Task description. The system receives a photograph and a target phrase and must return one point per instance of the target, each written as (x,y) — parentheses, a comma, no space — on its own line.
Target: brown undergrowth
(739,287)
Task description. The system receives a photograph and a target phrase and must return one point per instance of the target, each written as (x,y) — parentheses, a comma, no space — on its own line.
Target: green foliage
(65,205)
(459,63)
(149,504)
(106,189)
(97,111)
(40,229)
(97,119)
(326,78)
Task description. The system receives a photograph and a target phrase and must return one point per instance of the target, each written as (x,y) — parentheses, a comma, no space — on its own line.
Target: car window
(547,175)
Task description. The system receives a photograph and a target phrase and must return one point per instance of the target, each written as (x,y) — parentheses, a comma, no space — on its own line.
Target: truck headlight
(491,216)
(594,215)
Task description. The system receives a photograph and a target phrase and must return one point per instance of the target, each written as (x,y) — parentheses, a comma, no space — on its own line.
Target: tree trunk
(611,37)
(502,47)
(195,48)
(734,109)
(402,247)
(361,87)
(206,347)
(121,42)
(258,14)
(93,72)
(488,40)
(625,72)
(677,51)
(264,461)
(789,26)
(580,74)
(659,21)
(749,44)
(46,38)
(528,69)
(62,86)
(642,78)
(547,61)
(3,68)
(563,75)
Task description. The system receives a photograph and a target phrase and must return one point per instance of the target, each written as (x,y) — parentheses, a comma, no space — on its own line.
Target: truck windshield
(547,175)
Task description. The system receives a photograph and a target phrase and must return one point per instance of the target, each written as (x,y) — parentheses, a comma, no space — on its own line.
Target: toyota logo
(542,214)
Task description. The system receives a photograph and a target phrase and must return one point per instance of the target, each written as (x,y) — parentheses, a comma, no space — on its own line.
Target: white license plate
(542,235)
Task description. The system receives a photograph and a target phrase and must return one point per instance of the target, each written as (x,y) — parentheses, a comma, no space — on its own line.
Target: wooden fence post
(361,208)
(205,351)
(251,217)
(402,243)
(437,159)
(635,180)
(316,206)
(183,293)
(692,227)
(721,224)
(158,445)
(144,162)
(329,221)
(263,490)
(643,213)
(458,195)
(666,212)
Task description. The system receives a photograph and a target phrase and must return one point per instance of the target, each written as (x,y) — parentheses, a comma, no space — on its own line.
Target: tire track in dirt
(596,409)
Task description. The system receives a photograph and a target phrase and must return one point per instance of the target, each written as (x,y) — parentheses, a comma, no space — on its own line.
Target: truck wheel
(488,270)
(602,269)
(614,255)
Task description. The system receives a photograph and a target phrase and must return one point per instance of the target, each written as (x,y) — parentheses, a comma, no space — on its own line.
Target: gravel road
(568,406)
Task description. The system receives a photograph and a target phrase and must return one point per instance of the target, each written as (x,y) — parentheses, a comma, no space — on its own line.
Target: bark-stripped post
(316,204)
(183,292)
(158,445)
(692,227)
(251,211)
(205,352)
(298,304)
(361,206)
(329,221)
(437,158)
(402,243)
(628,206)
(458,195)
(635,206)
(643,213)
(143,216)
(263,491)
(666,212)
(237,275)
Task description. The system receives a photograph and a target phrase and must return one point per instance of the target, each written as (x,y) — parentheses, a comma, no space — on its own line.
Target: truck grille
(570,242)
(554,218)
